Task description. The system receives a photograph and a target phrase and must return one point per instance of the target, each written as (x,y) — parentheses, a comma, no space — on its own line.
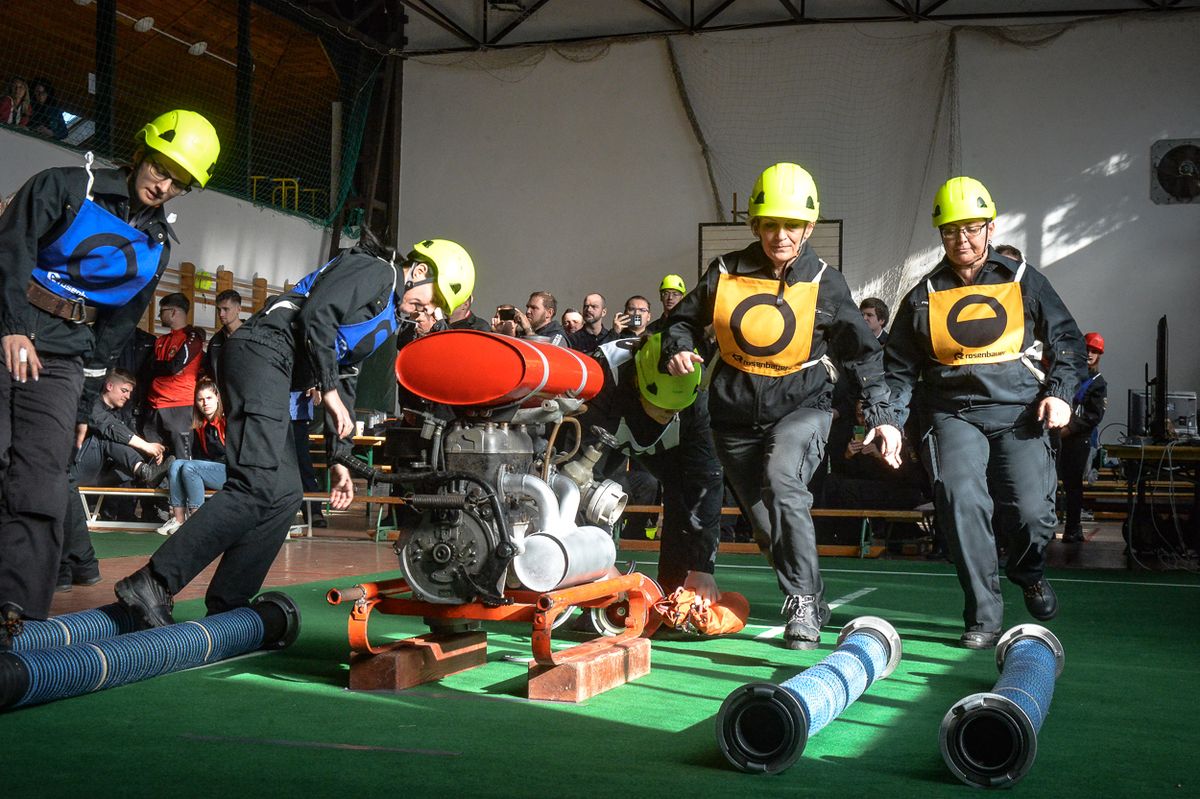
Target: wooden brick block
(578,680)
(415,661)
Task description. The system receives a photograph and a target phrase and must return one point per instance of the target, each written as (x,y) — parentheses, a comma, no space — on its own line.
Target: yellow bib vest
(759,336)
(977,324)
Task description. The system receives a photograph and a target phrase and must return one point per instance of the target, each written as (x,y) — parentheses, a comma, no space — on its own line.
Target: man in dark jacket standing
(966,331)
(81,251)
(1080,438)
(593,333)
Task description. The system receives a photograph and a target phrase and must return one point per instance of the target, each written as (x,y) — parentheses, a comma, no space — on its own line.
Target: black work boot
(151,474)
(979,639)
(1041,600)
(143,596)
(803,629)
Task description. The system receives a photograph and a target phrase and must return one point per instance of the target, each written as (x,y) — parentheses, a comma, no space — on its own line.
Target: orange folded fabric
(726,616)
(683,610)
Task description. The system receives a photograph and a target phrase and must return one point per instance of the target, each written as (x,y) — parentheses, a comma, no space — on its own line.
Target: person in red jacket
(177,364)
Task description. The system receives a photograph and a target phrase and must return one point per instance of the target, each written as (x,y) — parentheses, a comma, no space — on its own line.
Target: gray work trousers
(768,468)
(992,462)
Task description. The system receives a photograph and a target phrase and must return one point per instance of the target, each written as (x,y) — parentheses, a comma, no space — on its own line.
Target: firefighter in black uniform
(81,251)
(780,314)
(313,335)
(967,332)
(658,422)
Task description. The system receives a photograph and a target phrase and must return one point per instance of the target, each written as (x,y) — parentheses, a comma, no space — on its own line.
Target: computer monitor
(1180,415)
(1159,415)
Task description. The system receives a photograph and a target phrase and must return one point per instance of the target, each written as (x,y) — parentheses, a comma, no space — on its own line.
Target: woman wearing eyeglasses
(81,251)
(971,332)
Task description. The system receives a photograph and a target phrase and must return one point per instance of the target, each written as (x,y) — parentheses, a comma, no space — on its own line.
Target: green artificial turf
(1123,720)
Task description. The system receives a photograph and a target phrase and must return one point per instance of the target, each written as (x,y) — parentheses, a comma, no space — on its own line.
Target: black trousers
(98,462)
(173,427)
(103,462)
(37,435)
(1073,456)
(692,494)
(308,475)
(247,521)
(78,560)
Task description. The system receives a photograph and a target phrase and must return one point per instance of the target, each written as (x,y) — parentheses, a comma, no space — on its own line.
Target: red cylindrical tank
(474,368)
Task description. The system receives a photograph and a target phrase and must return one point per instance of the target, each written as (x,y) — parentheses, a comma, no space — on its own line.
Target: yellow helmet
(186,138)
(785,191)
(673,283)
(962,198)
(453,271)
(669,392)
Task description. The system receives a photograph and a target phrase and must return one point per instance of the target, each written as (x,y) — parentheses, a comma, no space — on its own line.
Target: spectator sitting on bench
(111,453)
(188,479)
(860,478)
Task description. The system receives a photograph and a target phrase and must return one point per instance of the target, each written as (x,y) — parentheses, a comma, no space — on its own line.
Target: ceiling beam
(524,15)
(439,17)
(715,13)
(902,11)
(905,7)
(657,7)
(797,13)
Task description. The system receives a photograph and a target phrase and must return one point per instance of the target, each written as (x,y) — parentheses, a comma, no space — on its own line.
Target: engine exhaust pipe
(565,557)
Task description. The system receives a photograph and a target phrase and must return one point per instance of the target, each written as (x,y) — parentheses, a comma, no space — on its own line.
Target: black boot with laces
(803,629)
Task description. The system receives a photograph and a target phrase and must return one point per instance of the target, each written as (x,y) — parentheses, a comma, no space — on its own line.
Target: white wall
(1062,135)
(213,229)
(574,176)
(562,176)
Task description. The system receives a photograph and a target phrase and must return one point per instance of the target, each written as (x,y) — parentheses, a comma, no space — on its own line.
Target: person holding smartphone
(537,320)
(633,322)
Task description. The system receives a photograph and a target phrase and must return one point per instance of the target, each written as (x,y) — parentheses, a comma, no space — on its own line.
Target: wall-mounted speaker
(1175,171)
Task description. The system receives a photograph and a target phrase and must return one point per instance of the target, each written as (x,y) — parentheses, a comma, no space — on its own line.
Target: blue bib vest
(353,343)
(99,260)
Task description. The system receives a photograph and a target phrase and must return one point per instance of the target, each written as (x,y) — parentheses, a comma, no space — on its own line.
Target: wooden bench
(865,548)
(94,522)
